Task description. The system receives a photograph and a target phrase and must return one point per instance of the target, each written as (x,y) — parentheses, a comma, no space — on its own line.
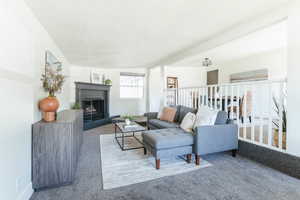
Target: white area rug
(121,168)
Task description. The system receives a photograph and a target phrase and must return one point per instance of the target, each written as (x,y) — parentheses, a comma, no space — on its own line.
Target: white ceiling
(265,40)
(138,33)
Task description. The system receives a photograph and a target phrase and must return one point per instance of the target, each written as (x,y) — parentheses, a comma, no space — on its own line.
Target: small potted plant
(277,125)
(128,119)
(76,106)
(107,82)
(52,82)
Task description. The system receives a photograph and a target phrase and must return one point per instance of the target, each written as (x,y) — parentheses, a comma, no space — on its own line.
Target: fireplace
(93,109)
(94,100)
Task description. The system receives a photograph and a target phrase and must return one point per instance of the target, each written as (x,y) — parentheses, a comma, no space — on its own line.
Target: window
(131,85)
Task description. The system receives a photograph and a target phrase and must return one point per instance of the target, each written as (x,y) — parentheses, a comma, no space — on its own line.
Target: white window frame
(128,74)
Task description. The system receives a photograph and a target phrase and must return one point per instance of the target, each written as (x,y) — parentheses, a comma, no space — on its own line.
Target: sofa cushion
(168,114)
(176,119)
(171,106)
(188,121)
(222,118)
(167,138)
(205,117)
(183,110)
(162,124)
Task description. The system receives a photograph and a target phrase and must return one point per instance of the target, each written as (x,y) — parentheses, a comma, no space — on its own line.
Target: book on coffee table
(133,125)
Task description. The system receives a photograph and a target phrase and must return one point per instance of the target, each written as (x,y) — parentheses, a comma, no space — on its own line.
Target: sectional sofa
(167,138)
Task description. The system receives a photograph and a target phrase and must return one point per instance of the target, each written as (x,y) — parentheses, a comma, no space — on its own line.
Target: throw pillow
(188,121)
(205,117)
(168,114)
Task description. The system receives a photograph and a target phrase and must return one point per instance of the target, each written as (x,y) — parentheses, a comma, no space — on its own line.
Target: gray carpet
(229,178)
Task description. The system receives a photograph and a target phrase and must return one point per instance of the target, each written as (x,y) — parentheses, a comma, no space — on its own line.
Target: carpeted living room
(227,178)
(133,100)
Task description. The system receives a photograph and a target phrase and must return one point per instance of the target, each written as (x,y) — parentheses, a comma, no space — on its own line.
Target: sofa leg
(233,152)
(145,151)
(189,158)
(197,159)
(157,163)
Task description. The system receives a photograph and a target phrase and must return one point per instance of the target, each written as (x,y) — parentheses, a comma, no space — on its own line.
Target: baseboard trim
(280,161)
(26,193)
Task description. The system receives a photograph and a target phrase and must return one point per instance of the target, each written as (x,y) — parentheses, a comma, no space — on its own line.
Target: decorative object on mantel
(108,82)
(96,77)
(103,79)
(52,83)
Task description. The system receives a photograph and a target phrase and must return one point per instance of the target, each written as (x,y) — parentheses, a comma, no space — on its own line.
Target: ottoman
(168,142)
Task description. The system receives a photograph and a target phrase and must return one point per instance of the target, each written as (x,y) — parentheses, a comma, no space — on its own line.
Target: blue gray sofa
(172,140)
(154,123)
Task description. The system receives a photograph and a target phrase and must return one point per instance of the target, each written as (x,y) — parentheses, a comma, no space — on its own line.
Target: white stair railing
(257,107)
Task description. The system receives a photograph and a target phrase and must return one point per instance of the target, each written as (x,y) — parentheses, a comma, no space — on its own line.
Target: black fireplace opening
(93,109)
(94,100)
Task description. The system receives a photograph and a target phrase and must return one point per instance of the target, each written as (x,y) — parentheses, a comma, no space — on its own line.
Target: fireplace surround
(94,100)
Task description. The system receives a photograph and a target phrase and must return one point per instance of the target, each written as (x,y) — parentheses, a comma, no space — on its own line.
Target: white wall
(274,61)
(23,43)
(293,91)
(155,87)
(118,106)
(187,77)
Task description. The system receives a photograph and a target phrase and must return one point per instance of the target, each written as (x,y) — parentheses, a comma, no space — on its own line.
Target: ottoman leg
(157,163)
(145,151)
(189,158)
(197,159)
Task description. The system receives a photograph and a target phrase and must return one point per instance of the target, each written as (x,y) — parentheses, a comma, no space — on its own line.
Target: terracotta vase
(49,106)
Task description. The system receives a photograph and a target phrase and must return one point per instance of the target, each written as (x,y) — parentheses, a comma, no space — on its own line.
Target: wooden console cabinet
(55,149)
